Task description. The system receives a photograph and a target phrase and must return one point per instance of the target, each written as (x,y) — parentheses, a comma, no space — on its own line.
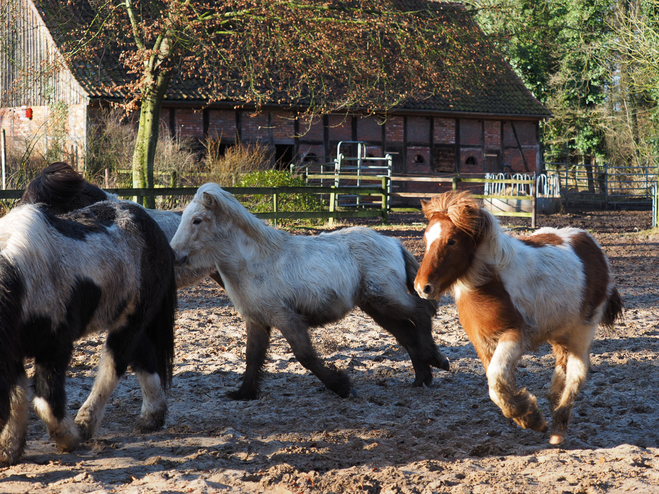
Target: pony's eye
(196,221)
(451,241)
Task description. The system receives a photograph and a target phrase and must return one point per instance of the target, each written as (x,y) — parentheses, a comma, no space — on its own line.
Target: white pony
(291,283)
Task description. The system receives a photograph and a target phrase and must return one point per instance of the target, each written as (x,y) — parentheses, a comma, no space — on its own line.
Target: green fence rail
(374,209)
(275,192)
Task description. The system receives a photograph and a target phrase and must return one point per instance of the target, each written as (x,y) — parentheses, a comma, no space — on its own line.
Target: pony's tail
(161,332)
(411,268)
(613,310)
(11,355)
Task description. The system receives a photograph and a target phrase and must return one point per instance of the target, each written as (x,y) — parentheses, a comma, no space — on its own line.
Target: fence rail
(605,185)
(527,190)
(276,214)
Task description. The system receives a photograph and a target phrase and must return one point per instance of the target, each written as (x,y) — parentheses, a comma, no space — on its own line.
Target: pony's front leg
(12,437)
(50,398)
(570,373)
(90,414)
(520,405)
(297,335)
(258,339)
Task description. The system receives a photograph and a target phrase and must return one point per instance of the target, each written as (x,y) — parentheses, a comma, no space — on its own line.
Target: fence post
(275,206)
(534,203)
(385,200)
(454,183)
(3,152)
(332,207)
(606,185)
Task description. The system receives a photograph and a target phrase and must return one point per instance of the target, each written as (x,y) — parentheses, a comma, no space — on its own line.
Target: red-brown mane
(463,211)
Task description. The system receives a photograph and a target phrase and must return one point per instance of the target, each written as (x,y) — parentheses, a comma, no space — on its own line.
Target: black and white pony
(105,267)
(289,282)
(62,189)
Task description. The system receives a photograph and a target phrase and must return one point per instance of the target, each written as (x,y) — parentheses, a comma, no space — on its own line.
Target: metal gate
(604,185)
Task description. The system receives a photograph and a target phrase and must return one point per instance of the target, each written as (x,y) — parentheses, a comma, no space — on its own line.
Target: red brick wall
(514,159)
(525,132)
(311,129)
(467,153)
(221,123)
(368,129)
(444,132)
(340,127)
(418,130)
(254,127)
(418,151)
(395,129)
(470,132)
(283,127)
(188,122)
(492,134)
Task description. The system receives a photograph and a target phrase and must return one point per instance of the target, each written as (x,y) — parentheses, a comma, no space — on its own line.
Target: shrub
(260,203)
(227,165)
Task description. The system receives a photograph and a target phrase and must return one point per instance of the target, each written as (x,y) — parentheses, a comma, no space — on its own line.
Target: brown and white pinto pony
(514,294)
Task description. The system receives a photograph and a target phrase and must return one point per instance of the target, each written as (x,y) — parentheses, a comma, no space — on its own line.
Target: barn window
(418,159)
(310,158)
(471,161)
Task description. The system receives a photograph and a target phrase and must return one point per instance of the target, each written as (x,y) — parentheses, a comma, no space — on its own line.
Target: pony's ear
(424,207)
(209,201)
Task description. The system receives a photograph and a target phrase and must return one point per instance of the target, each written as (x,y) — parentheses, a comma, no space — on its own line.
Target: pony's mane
(62,189)
(232,210)
(463,211)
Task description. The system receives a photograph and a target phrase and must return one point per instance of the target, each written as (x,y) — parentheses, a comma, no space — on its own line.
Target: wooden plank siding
(34,72)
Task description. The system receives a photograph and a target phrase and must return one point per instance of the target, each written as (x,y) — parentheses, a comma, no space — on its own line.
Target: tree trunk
(147,135)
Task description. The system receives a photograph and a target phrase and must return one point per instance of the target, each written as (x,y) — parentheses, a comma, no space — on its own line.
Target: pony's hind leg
(154,400)
(517,404)
(12,437)
(572,363)
(413,330)
(91,413)
(296,333)
(50,397)
(258,339)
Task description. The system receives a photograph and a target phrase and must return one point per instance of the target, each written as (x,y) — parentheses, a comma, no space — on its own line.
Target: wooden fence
(276,214)
(377,209)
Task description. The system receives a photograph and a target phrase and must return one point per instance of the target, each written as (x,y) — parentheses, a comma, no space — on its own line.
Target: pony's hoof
(534,420)
(557,438)
(150,424)
(239,395)
(420,381)
(441,362)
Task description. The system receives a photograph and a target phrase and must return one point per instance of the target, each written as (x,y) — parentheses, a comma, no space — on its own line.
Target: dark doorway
(283,156)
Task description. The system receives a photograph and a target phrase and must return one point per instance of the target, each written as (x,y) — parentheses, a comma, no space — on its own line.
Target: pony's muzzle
(180,259)
(424,291)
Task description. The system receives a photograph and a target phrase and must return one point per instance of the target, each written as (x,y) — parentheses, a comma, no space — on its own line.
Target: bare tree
(321,56)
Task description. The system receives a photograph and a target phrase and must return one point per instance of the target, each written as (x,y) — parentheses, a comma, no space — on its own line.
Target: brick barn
(475,131)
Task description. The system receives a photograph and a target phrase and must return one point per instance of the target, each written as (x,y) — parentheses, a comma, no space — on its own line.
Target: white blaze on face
(432,234)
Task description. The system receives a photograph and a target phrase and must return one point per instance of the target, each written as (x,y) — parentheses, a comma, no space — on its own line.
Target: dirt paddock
(390,438)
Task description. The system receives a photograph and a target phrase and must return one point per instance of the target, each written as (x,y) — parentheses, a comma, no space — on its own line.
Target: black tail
(11,354)
(161,331)
(613,311)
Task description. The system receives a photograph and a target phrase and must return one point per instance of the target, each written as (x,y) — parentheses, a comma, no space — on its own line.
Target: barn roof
(496,90)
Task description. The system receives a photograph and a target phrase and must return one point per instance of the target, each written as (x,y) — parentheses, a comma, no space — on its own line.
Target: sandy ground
(390,438)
